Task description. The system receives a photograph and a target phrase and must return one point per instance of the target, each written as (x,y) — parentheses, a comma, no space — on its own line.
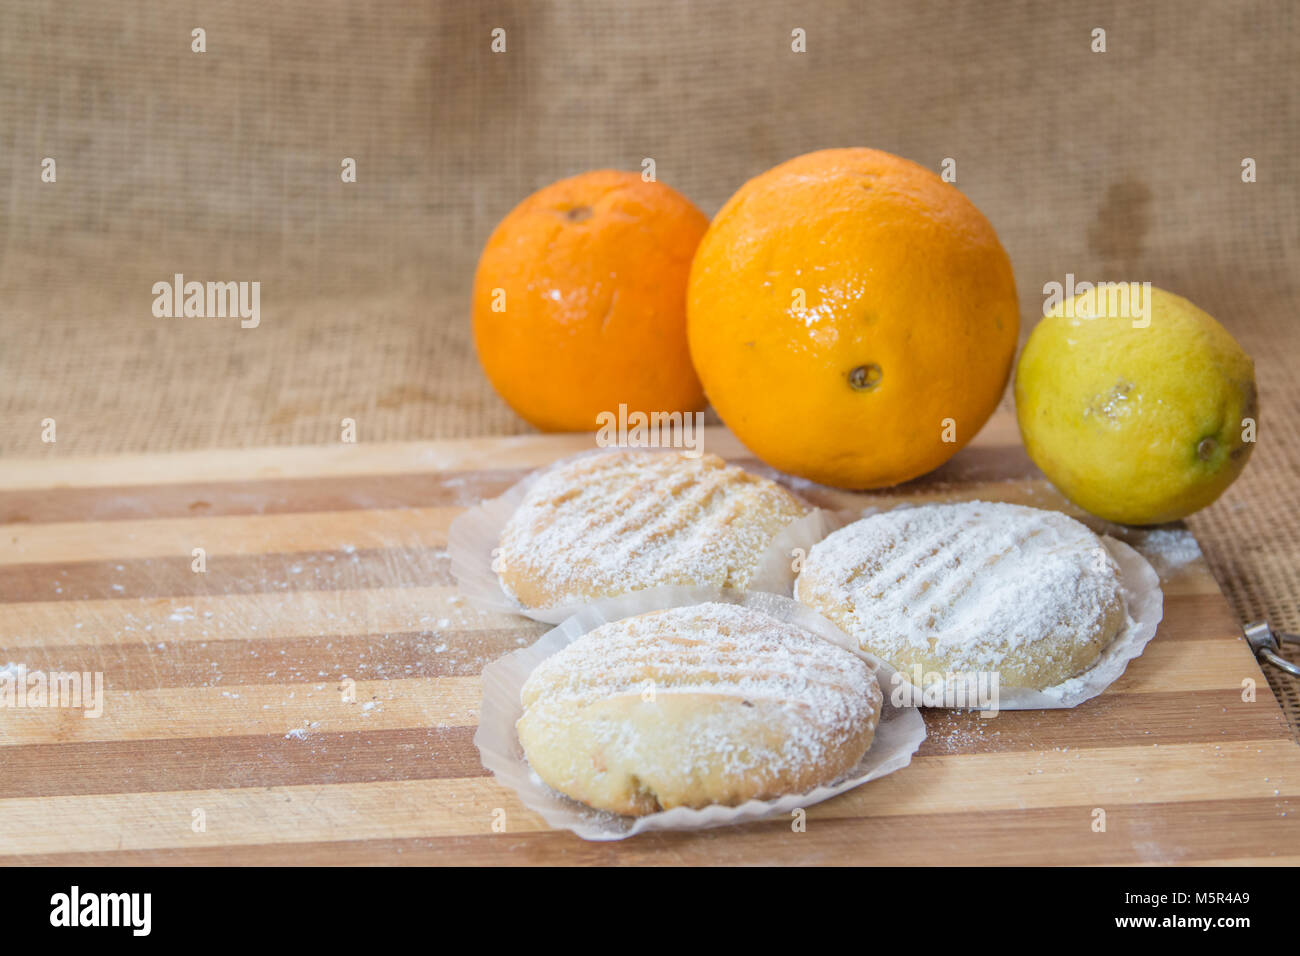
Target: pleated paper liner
(899,729)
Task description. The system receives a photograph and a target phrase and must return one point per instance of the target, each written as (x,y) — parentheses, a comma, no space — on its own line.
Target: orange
(853,318)
(580,301)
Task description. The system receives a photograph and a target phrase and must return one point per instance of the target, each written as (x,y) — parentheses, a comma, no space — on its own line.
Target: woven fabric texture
(225,165)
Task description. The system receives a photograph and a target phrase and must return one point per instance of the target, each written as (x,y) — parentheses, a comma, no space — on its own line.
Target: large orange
(580,301)
(853,317)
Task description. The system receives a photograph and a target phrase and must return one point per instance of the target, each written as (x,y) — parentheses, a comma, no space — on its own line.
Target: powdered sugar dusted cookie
(623,521)
(700,705)
(970,587)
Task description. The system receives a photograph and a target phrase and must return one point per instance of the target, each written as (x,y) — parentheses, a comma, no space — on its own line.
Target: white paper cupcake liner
(1144,603)
(475,534)
(899,730)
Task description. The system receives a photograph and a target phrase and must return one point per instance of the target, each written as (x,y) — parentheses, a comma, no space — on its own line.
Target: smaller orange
(580,301)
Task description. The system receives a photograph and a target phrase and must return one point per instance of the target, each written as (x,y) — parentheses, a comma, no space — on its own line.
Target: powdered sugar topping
(972,581)
(813,694)
(609,524)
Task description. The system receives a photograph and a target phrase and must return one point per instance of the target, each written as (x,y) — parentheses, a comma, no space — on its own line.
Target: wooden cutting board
(226,736)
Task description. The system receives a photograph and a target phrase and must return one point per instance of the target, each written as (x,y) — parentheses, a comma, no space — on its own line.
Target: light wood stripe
(251,617)
(303,461)
(142,766)
(463,807)
(982,473)
(75,542)
(1192,833)
(276,709)
(433,652)
(222,499)
(377,458)
(175,577)
(1188,666)
(1096,777)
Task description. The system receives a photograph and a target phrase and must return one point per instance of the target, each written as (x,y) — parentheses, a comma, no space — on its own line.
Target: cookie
(622,521)
(970,588)
(694,706)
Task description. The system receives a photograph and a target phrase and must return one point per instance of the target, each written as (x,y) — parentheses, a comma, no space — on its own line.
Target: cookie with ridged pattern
(694,706)
(621,521)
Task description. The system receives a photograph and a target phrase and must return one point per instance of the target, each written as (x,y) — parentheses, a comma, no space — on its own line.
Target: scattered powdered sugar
(801,696)
(607,524)
(970,582)
(1168,549)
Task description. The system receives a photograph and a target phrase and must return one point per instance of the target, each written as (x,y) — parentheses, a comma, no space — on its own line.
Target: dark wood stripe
(1188,832)
(131,663)
(140,578)
(147,766)
(256,497)
(302,659)
(137,766)
(1108,721)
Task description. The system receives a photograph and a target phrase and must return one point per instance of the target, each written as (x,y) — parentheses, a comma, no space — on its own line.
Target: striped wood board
(225,737)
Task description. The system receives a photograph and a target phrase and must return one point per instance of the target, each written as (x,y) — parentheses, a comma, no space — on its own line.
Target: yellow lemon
(1139,406)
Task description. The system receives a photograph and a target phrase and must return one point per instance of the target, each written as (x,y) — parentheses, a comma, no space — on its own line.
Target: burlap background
(225,165)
